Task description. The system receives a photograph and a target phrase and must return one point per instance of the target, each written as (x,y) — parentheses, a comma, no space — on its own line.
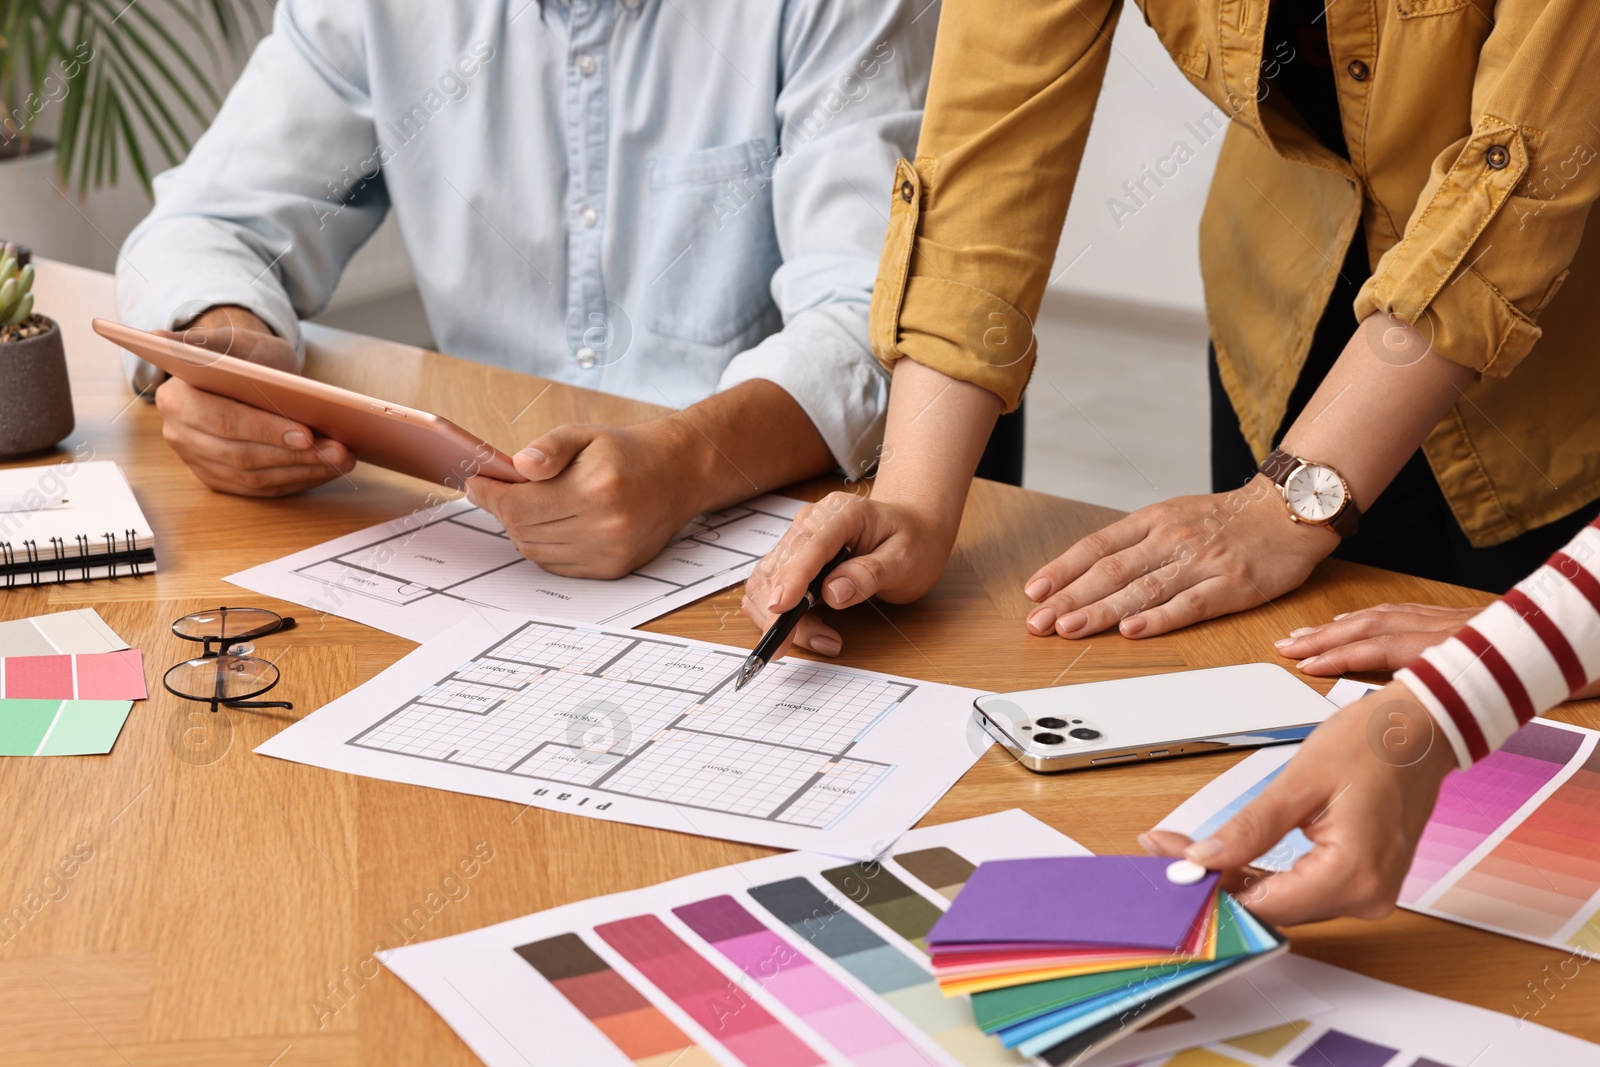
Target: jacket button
(1358,70)
(906,191)
(1497,157)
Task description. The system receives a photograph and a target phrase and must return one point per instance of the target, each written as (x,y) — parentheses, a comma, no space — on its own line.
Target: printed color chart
(1513,845)
(795,960)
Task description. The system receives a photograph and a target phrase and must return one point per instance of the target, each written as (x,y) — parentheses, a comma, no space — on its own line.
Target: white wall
(1152,255)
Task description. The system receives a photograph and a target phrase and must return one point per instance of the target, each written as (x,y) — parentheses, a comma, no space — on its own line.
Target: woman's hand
(1175,563)
(1361,788)
(899,551)
(1381,638)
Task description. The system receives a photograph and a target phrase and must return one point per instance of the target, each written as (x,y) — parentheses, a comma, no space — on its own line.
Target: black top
(1295,63)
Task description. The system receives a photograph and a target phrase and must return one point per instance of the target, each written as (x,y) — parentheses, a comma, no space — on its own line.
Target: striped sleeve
(1524,654)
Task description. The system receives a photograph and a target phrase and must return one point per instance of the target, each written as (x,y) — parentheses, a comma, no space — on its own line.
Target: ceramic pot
(35,396)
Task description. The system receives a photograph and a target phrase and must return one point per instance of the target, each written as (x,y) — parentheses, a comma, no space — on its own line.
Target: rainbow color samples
(1062,955)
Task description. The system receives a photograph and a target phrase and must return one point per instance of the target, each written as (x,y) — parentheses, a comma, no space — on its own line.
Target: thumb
(547,456)
(1255,830)
(853,581)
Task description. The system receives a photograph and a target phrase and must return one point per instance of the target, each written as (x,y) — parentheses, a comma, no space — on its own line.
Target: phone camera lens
(1084,733)
(1048,739)
(1049,724)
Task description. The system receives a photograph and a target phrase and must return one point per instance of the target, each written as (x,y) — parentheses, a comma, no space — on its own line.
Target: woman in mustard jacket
(1394,211)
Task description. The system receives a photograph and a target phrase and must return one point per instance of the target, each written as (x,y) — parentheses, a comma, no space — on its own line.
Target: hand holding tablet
(393,436)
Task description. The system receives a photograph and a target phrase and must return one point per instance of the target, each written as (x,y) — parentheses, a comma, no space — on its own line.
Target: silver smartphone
(1096,724)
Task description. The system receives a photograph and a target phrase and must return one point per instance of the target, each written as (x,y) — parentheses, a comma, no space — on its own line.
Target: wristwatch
(1315,493)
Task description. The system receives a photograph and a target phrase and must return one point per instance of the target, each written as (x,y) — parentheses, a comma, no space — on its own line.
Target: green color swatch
(60,727)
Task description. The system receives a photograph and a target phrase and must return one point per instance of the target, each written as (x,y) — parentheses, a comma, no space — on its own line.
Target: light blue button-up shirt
(657,198)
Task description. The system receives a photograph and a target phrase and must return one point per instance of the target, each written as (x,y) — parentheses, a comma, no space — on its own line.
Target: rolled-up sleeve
(275,197)
(975,220)
(854,78)
(1504,209)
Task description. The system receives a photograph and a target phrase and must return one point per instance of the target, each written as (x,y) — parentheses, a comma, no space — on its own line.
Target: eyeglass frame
(224,644)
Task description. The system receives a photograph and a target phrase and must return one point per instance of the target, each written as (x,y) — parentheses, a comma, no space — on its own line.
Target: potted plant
(36,403)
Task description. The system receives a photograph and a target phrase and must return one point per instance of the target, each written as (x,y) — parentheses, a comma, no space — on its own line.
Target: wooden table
(232,903)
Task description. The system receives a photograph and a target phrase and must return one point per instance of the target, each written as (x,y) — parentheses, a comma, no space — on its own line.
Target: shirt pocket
(711,249)
(1179,27)
(1410,9)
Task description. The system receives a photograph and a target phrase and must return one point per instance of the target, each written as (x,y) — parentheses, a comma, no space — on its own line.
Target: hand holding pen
(773,640)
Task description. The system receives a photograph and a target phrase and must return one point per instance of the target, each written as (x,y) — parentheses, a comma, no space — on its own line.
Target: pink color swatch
(853,1026)
(1474,803)
(742,1026)
(92,676)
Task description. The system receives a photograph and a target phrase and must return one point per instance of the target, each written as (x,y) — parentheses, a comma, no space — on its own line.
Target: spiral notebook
(71,522)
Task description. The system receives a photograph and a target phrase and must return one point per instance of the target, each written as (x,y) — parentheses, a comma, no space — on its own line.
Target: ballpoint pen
(780,630)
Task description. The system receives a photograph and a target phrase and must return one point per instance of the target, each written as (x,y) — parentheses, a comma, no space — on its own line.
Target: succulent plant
(16,298)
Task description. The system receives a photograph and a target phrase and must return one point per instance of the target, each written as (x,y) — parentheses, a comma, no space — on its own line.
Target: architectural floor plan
(420,574)
(646,728)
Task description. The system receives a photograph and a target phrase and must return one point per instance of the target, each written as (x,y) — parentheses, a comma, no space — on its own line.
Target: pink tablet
(390,435)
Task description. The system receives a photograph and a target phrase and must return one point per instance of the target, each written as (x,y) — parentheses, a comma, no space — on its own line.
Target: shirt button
(586,64)
(1497,157)
(1358,70)
(589,216)
(906,191)
(586,358)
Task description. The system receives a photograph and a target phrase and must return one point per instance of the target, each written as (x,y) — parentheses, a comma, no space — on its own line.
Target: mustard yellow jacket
(1472,129)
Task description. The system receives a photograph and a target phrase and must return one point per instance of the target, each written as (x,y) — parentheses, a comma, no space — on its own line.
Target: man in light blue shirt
(673,200)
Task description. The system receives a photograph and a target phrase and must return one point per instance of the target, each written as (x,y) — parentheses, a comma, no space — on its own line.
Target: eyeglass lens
(223,678)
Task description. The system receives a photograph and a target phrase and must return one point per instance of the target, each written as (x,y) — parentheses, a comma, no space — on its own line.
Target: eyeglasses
(225,674)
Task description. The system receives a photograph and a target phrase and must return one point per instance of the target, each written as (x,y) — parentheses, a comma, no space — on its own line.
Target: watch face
(1314,493)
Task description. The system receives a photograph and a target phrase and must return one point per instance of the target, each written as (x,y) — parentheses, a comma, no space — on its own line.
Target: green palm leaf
(123,81)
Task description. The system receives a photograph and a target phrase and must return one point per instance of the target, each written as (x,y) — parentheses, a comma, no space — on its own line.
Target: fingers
(1286,803)
(1075,561)
(1205,600)
(230,420)
(1387,653)
(1325,883)
(547,456)
(234,448)
(815,537)
(1389,636)
(1164,843)
(811,632)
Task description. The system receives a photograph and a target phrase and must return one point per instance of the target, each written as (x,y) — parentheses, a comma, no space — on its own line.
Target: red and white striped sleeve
(1523,655)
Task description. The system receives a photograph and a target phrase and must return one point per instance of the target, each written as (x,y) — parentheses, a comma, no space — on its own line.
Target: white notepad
(71,522)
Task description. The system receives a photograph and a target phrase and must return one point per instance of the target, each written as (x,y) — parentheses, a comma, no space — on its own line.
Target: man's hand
(1175,563)
(1361,788)
(235,448)
(899,553)
(598,501)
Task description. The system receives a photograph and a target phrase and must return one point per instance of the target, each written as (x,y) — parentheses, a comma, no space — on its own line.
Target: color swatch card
(62,632)
(787,961)
(1513,845)
(93,676)
(61,727)
(1067,955)
(67,683)
(1372,1024)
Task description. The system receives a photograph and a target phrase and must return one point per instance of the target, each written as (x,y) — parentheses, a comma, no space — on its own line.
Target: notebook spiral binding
(31,563)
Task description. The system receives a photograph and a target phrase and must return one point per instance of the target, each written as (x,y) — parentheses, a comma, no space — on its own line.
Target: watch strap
(1280,463)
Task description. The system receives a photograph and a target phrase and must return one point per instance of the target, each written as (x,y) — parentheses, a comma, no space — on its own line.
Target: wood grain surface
(230,905)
